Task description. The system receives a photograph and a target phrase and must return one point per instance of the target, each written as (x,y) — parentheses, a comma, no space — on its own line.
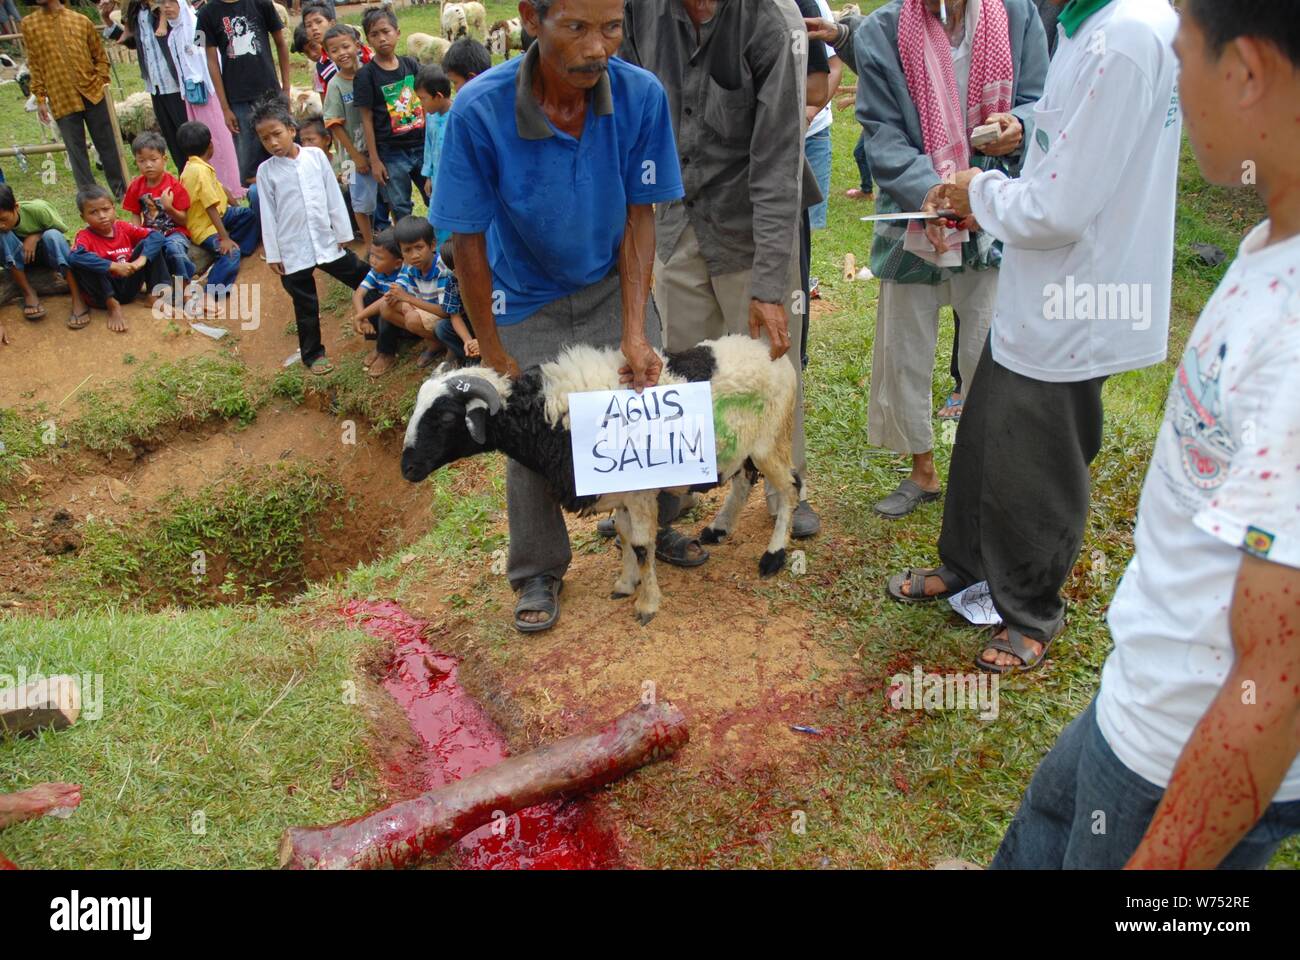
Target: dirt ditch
(377,513)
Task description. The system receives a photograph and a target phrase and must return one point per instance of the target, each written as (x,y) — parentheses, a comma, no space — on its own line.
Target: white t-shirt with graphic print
(1224,480)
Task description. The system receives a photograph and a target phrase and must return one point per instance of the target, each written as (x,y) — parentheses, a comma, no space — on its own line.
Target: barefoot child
(413,302)
(343,118)
(385,265)
(159,201)
(32,232)
(306,223)
(113,259)
(228,232)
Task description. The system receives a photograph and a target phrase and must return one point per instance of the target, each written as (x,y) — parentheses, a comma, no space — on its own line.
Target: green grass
(241,540)
(191,737)
(178,393)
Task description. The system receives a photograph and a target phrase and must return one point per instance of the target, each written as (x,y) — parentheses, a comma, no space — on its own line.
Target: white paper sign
(662,437)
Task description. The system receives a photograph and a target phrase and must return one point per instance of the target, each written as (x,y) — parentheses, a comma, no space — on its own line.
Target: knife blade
(937,215)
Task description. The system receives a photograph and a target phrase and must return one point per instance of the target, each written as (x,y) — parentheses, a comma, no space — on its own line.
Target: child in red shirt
(156,199)
(112,259)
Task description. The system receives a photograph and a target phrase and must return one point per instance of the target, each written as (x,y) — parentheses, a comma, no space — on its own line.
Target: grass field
(222,725)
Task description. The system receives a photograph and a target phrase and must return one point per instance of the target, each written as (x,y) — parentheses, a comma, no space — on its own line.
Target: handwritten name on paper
(662,437)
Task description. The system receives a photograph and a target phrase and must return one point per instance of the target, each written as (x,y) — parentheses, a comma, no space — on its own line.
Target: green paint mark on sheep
(724,436)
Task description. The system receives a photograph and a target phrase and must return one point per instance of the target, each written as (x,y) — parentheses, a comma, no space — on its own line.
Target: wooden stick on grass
(407,832)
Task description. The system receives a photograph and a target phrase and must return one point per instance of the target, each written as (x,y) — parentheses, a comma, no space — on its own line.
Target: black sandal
(540,594)
(675,548)
(1016,644)
(915,580)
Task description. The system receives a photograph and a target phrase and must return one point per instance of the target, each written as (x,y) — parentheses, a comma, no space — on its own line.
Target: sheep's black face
(440,436)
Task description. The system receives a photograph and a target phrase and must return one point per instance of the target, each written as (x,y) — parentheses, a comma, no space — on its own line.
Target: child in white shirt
(305,223)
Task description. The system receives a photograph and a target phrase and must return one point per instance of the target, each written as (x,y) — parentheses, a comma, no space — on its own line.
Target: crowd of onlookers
(223,118)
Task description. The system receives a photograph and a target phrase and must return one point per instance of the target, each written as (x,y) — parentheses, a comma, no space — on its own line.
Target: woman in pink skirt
(192,71)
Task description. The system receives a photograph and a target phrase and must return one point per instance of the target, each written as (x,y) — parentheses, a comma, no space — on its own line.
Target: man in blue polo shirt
(551,164)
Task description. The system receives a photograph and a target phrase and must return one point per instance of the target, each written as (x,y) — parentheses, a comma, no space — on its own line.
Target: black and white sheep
(467,412)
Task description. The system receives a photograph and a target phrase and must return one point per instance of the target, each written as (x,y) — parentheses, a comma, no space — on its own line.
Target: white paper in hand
(662,437)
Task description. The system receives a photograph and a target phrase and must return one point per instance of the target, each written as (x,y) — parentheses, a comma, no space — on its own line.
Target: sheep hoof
(644,618)
(770,564)
(616,595)
(710,535)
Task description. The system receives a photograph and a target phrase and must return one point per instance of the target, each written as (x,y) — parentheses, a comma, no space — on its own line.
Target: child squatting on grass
(32,232)
(113,259)
(367,300)
(413,302)
(305,223)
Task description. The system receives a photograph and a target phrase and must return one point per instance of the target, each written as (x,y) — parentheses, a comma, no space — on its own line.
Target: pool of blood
(460,739)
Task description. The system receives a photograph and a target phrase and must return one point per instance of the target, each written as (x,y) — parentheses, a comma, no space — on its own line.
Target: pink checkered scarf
(927,63)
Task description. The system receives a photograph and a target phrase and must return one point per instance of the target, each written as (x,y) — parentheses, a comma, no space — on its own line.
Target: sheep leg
(625,585)
(737,495)
(779,472)
(643,512)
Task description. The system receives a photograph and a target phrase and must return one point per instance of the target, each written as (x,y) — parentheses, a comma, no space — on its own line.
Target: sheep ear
(476,413)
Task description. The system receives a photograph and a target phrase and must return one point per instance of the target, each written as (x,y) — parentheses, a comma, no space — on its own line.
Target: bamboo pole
(34,148)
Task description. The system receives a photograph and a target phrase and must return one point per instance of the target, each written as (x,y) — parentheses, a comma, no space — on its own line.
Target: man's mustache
(598,67)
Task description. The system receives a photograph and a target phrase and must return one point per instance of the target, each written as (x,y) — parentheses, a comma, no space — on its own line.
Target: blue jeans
(447,334)
(176,254)
(248,147)
(244,225)
(52,251)
(1085,810)
(818,150)
(864,166)
(98,286)
(404,165)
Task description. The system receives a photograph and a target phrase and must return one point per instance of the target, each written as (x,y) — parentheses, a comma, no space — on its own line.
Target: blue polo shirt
(553,207)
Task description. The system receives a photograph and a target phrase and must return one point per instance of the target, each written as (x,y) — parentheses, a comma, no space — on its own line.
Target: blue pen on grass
(811,731)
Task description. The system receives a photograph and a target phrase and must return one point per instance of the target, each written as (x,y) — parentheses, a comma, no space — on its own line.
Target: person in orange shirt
(69,69)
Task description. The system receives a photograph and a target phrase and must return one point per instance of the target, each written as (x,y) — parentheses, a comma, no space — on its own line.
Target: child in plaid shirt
(453,329)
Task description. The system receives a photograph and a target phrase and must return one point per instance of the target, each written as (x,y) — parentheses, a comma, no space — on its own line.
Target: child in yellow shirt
(229,232)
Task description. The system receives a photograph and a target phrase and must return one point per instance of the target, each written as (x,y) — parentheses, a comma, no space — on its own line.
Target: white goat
(467,412)
(504,36)
(427,48)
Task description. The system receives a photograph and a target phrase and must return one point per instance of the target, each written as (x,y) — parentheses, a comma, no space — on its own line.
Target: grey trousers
(72,128)
(539,540)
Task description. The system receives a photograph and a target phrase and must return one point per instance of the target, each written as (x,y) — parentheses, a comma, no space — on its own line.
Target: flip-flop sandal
(321,366)
(540,594)
(427,357)
(1016,644)
(77,321)
(905,498)
(675,548)
(915,580)
(33,312)
(952,409)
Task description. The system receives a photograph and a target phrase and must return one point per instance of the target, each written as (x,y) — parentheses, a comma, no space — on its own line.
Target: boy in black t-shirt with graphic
(238,36)
(384,91)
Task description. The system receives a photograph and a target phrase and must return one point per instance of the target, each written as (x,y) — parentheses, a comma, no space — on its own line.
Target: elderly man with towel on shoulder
(929,73)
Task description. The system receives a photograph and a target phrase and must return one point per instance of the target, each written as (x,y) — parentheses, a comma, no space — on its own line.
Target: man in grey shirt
(727,253)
